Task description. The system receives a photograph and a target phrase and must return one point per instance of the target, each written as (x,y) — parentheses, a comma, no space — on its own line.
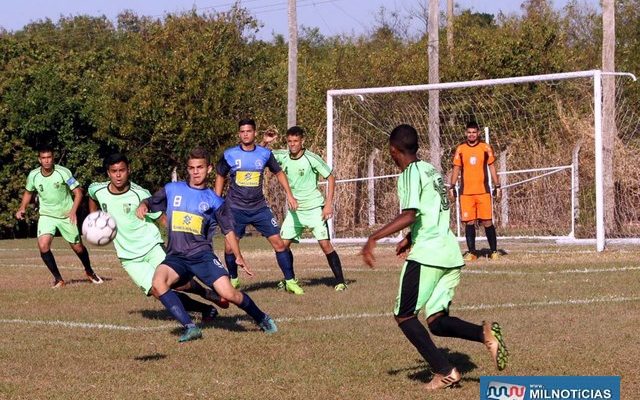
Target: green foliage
(155,88)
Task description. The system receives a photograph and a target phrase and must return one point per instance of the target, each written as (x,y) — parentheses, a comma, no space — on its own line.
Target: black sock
(196,288)
(50,262)
(336,266)
(420,339)
(173,304)
(193,305)
(490,231)
(285,262)
(251,308)
(84,258)
(232,267)
(290,256)
(457,328)
(470,235)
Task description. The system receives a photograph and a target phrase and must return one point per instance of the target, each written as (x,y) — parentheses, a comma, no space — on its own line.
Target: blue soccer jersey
(192,216)
(246,174)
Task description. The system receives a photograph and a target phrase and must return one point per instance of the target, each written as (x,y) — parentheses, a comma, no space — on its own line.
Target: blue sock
(232,267)
(172,303)
(251,308)
(285,262)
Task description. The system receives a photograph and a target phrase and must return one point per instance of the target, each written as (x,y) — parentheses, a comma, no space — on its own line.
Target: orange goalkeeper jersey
(473,162)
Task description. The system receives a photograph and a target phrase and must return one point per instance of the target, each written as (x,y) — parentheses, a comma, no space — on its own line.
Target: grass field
(564,310)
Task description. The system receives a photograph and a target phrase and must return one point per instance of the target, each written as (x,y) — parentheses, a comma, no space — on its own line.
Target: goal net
(545,130)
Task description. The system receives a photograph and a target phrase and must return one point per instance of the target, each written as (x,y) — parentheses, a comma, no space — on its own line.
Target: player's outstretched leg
(493,339)
(223,286)
(163,278)
(83,255)
(445,375)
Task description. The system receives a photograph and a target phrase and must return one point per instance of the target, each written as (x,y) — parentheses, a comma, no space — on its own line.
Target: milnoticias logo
(550,388)
(505,391)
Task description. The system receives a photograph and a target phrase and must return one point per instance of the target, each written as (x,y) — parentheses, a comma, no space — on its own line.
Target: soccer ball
(99,228)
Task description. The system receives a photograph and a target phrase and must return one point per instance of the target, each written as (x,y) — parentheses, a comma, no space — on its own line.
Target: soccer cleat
(442,382)
(469,256)
(291,285)
(214,297)
(94,278)
(495,344)
(58,284)
(235,282)
(494,255)
(268,325)
(209,316)
(192,333)
(340,287)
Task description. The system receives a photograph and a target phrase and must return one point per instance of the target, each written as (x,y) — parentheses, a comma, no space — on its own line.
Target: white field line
(470,307)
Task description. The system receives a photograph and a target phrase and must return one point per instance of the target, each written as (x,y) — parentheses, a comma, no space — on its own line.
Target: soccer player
(138,243)
(431,271)
(193,212)
(470,162)
(245,165)
(59,196)
(303,168)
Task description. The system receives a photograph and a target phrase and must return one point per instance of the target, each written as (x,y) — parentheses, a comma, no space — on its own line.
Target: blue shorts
(205,266)
(262,219)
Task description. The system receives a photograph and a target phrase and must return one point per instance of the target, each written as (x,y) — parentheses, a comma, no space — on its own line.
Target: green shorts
(141,269)
(48,226)
(297,221)
(424,286)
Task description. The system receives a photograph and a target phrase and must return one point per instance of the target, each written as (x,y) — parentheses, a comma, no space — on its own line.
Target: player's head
(247,131)
(473,132)
(45,156)
(198,167)
(117,166)
(295,139)
(403,143)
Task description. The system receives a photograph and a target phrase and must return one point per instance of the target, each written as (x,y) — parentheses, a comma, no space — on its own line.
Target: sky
(332,17)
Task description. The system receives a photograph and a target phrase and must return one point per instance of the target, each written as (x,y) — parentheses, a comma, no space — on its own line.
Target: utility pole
(609,129)
(434,77)
(450,29)
(292,87)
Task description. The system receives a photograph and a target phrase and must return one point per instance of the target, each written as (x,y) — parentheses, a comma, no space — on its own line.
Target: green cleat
(268,325)
(292,286)
(340,287)
(192,333)
(235,282)
(495,344)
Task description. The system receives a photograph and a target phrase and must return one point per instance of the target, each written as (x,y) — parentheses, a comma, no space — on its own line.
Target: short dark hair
(404,138)
(472,125)
(295,131)
(115,158)
(199,153)
(247,121)
(44,148)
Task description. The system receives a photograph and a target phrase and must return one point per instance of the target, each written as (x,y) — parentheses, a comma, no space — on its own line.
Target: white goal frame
(595,75)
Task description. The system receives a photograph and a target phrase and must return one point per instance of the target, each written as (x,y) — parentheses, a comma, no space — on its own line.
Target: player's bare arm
(218,186)
(142,209)
(232,242)
(77,199)
(327,210)
(403,246)
(401,221)
(282,178)
(93,206)
(26,199)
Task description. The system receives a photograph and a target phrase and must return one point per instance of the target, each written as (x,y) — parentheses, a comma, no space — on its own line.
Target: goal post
(360,120)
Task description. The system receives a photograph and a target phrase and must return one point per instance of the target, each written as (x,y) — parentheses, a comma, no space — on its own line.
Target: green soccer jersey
(54,190)
(420,188)
(302,174)
(135,237)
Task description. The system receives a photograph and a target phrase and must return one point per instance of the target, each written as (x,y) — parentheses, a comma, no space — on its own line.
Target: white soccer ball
(99,228)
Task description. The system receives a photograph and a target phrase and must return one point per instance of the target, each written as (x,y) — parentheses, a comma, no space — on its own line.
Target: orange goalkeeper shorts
(475,206)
